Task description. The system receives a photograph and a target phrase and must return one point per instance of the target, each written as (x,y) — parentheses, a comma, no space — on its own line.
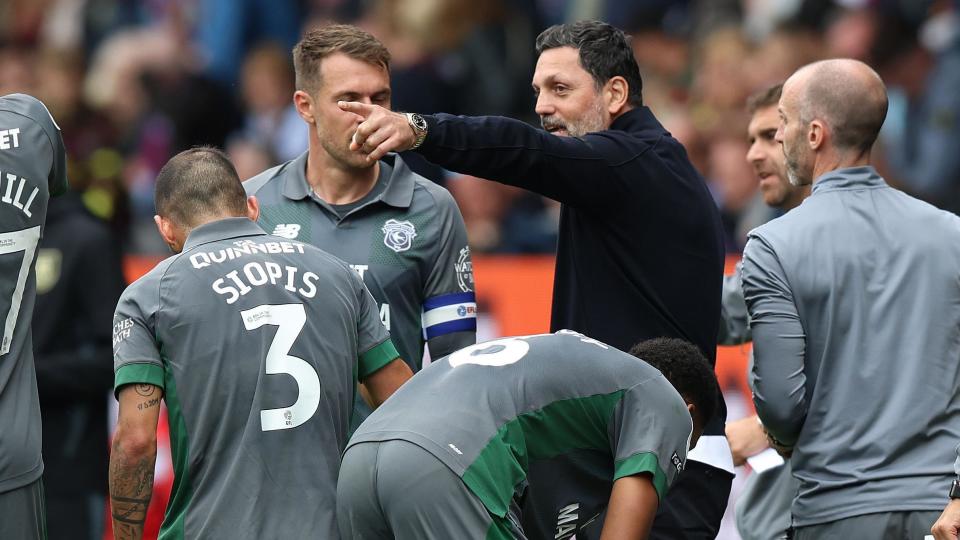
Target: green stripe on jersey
(643,462)
(138,373)
(182,492)
(500,529)
(376,358)
(560,427)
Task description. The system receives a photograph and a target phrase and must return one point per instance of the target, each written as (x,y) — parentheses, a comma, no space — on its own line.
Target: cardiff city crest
(398,235)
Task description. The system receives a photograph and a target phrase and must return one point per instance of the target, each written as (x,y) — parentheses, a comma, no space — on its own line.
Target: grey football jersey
(257,342)
(408,244)
(32,168)
(489,410)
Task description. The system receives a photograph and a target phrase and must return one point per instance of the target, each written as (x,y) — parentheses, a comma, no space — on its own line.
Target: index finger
(356,107)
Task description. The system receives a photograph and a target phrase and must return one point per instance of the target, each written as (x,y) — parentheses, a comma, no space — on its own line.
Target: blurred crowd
(132,82)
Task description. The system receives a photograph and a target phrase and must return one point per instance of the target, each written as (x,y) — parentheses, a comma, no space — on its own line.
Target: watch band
(419,127)
(955,489)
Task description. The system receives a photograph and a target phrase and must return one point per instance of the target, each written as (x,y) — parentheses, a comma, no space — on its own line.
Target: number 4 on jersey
(290,319)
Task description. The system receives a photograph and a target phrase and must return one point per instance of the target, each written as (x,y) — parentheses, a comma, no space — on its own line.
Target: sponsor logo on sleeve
(464,268)
(121,330)
(287,230)
(677,462)
(398,235)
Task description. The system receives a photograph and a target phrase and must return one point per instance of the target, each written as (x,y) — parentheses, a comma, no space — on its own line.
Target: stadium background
(132,82)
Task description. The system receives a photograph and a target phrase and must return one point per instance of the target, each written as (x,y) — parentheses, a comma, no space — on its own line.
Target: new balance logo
(567,521)
(287,230)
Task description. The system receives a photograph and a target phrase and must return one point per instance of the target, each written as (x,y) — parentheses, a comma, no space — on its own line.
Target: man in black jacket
(79,280)
(640,252)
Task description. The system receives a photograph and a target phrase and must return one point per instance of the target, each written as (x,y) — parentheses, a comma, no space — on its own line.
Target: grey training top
(32,168)
(854,300)
(257,343)
(734,319)
(763,509)
(490,409)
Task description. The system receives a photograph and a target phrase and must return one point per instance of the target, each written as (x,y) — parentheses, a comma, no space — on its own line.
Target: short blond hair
(324,41)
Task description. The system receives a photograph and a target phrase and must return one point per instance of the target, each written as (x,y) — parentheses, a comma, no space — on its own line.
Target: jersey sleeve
(38,112)
(136,353)
(58,172)
(650,433)
(375,348)
(449,306)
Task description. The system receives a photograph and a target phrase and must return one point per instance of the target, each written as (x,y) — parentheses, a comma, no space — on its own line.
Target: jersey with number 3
(489,410)
(32,168)
(257,343)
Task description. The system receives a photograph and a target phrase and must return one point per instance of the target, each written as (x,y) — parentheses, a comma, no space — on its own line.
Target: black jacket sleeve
(577,171)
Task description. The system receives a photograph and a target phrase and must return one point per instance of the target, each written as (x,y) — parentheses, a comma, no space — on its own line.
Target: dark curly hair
(688,371)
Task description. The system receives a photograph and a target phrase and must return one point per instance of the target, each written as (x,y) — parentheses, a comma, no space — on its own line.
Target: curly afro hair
(688,371)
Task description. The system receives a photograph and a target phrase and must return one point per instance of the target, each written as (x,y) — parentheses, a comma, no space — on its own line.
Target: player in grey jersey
(457,468)
(256,344)
(32,168)
(402,233)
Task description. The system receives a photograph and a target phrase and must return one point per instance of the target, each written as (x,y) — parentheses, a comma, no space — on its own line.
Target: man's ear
(169,232)
(816,134)
(304,104)
(253,208)
(616,93)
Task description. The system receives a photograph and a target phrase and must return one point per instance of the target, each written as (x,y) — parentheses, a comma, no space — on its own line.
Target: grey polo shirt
(408,244)
(257,342)
(32,168)
(854,300)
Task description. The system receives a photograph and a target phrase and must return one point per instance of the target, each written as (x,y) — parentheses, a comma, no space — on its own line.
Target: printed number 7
(290,319)
(26,241)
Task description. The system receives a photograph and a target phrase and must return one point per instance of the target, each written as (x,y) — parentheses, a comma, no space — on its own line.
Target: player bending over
(448,455)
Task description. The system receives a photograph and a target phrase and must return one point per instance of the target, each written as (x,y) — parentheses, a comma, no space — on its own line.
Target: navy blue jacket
(640,253)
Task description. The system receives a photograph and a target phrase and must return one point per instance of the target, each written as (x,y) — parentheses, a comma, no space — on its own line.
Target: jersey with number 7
(257,343)
(32,168)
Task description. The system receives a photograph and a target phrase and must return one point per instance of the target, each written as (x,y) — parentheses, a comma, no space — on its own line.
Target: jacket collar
(848,178)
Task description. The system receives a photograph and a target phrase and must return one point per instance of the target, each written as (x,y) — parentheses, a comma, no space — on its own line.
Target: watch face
(419,122)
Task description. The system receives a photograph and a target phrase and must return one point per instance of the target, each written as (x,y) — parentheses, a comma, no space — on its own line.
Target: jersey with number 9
(32,168)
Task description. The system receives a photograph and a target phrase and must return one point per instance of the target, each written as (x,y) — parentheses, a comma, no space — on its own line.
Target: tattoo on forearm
(144,405)
(131,486)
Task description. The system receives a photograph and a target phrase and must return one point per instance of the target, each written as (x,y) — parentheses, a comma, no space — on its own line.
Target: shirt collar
(398,193)
(222,229)
(637,119)
(848,178)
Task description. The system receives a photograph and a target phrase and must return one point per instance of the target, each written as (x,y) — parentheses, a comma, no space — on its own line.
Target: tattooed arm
(132,459)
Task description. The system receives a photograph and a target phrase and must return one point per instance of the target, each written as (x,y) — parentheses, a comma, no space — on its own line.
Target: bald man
(854,301)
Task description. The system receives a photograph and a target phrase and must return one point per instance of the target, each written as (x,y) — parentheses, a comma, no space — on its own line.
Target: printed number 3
(290,319)
(13,242)
(500,352)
